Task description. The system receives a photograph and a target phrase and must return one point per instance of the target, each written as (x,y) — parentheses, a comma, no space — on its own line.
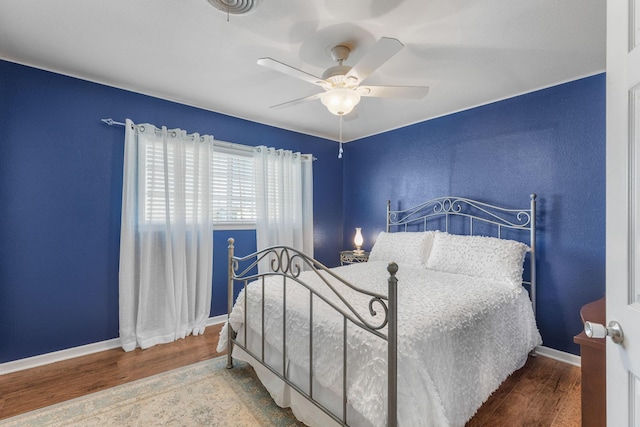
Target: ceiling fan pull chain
(340,151)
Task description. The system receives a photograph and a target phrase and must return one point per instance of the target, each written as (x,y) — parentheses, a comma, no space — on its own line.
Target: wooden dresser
(593,367)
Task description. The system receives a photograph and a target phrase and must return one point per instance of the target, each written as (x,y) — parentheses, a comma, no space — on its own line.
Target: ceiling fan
(342,84)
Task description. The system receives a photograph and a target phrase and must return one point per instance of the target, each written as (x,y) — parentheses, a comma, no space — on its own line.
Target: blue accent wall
(550,142)
(60,202)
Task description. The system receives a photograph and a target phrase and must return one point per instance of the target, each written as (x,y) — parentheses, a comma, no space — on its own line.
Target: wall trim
(70,353)
(561,356)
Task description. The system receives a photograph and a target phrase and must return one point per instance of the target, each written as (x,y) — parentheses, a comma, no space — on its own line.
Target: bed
(421,334)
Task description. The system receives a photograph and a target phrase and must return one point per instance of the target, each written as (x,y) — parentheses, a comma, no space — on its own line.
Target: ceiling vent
(236,7)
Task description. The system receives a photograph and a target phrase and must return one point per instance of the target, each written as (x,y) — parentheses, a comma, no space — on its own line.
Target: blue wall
(550,142)
(61,176)
(60,200)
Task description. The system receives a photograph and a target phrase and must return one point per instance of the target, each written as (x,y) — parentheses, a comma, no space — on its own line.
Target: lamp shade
(340,101)
(358,240)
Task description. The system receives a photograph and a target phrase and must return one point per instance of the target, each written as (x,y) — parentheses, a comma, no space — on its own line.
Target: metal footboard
(287,264)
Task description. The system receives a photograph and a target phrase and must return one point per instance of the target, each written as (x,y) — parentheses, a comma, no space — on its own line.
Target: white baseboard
(57,356)
(217,320)
(70,353)
(569,358)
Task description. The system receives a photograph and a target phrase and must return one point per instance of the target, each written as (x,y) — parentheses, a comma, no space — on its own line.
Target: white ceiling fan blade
(383,50)
(296,101)
(293,72)
(407,92)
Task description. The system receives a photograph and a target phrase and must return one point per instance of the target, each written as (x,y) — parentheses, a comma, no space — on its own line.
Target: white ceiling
(469,52)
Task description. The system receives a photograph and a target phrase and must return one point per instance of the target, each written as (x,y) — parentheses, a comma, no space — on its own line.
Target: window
(233,203)
(234,197)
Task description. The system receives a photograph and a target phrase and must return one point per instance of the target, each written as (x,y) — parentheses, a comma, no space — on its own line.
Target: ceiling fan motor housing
(336,75)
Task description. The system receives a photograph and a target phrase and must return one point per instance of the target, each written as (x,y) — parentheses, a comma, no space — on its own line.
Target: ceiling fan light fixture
(340,101)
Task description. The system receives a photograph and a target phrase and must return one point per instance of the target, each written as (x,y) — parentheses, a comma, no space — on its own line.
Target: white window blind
(231,172)
(157,177)
(234,196)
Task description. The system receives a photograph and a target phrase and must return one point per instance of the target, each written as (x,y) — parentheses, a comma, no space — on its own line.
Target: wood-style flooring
(544,392)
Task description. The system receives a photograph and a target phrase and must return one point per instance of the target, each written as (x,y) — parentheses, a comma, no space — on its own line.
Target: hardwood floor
(35,388)
(544,392)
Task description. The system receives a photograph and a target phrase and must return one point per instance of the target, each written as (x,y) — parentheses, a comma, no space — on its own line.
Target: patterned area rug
(203,394)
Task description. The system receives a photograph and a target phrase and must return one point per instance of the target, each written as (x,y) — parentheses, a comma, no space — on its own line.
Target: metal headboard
(437,214)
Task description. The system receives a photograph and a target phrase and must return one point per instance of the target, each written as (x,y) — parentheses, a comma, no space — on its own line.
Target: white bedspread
(459,337)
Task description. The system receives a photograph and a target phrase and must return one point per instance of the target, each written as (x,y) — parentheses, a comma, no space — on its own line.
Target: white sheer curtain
(284,200)
(166,245)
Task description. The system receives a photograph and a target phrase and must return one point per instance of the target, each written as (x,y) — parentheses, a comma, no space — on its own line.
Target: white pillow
(409,248)
(478,256)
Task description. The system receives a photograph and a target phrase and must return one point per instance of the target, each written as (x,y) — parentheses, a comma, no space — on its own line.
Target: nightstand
(348,257)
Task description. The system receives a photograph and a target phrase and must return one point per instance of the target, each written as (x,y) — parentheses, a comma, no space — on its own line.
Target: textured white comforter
(459,337)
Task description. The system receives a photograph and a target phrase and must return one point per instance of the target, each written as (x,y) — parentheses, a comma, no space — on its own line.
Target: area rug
(203,394)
